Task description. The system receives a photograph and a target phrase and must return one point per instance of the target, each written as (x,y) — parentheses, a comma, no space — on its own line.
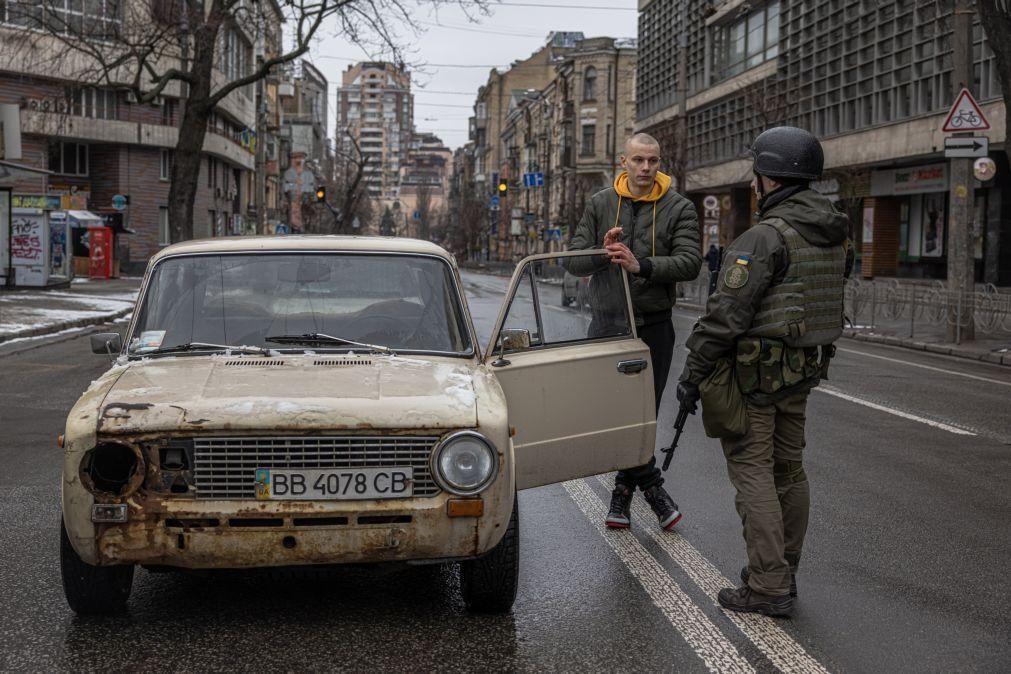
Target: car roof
(280,244)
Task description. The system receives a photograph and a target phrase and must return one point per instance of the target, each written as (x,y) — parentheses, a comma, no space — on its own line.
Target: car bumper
(244,534)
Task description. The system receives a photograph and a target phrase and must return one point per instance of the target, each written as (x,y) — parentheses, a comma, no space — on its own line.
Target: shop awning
(84,219)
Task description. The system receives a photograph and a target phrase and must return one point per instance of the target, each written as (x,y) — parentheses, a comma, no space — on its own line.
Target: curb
(991,357)
(65,325)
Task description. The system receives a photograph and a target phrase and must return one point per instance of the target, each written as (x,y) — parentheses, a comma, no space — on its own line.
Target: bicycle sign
(965,115)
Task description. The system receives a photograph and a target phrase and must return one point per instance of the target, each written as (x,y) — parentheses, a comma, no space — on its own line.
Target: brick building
(97,142)
(871,79)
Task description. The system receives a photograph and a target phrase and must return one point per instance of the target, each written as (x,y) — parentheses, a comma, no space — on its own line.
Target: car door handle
(632,366)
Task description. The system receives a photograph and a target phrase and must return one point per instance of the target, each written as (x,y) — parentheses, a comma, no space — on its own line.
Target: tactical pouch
(770,366)
(724,412)
(811,366)
(793,366)
(827,354)
(746,366)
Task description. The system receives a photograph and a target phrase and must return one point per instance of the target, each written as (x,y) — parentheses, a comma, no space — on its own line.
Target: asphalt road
(904,567)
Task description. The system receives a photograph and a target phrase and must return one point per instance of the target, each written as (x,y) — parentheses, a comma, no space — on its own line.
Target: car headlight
(464,463)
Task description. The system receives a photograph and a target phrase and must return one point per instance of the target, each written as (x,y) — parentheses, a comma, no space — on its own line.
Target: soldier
(653,233)
(770,325)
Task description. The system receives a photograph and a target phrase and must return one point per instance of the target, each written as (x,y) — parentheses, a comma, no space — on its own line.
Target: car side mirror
(512,339)
(107,343)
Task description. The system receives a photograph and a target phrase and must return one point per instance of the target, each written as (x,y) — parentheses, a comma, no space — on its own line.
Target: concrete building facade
(872,80)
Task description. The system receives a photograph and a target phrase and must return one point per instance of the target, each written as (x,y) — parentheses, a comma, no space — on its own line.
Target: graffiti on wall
(26,239)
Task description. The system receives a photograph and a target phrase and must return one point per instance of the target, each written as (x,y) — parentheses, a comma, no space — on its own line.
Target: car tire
(488,584)
(92,590)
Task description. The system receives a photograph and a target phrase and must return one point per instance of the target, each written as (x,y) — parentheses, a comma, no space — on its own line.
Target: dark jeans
(659,337)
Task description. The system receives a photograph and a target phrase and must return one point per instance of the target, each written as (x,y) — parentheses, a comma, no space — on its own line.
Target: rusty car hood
(299,393)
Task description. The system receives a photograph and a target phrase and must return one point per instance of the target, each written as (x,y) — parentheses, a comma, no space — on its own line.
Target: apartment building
(424,185)
(558,144)
(88,144)
(871,79)
(375,107)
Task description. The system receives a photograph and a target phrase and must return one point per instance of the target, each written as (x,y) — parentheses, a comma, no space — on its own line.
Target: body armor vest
(806,308)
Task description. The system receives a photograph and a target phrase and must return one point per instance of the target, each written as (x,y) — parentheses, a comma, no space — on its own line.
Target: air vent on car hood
(256,363)
(341,362)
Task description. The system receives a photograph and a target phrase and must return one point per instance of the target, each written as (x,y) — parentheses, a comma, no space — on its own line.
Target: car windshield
(402,302)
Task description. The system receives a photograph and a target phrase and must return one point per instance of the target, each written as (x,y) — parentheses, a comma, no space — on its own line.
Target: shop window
(68,158)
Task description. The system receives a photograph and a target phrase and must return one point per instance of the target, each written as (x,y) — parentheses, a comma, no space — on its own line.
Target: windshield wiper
(319,338)
(203,346)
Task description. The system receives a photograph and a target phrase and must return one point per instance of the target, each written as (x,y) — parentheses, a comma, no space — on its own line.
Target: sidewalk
(34,312)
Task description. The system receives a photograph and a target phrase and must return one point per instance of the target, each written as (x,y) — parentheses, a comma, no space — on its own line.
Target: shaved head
(641,139)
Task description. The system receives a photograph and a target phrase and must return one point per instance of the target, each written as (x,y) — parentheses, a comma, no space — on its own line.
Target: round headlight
(465,463)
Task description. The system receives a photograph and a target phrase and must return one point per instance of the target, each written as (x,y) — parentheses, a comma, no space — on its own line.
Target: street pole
(961,267)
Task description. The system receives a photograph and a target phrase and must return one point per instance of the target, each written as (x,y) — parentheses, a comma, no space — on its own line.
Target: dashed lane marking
(881,408)
(925,367)
(708,642)
(781,650)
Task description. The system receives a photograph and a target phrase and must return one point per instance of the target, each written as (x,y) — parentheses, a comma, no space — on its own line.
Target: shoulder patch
(736,276)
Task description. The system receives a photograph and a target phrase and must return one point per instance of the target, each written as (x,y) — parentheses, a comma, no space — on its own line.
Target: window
(745,43)
(164,238)
(588,146)
(68,158)
(589,83)
(94,103)
(84,18)
(168,112)
(165,165)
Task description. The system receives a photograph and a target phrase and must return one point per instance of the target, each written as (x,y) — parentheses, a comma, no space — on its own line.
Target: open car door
(576,377)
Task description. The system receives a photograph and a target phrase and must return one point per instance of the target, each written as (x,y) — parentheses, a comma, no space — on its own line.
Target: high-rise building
(375,110)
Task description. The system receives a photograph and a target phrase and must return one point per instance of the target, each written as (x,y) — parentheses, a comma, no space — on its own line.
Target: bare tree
(350,187)
(187,48)
(995,16)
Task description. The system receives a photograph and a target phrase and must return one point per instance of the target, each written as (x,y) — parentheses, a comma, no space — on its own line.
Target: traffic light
(321,194)
(503,187)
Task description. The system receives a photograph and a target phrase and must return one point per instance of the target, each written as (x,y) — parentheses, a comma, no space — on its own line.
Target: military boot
(620,513)
(746,600)
(663,505)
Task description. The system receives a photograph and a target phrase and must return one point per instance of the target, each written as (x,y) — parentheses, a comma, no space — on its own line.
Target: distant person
(769,330)
(713,261)
(652,232)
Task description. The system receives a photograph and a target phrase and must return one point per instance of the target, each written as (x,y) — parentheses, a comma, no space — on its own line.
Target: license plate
(344,484)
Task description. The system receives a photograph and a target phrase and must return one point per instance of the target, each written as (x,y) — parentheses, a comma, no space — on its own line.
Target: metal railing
(908,308)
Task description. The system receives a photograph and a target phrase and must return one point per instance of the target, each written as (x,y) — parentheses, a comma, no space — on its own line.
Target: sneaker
(663,505)
(746,574)
(746,600)
(620,513)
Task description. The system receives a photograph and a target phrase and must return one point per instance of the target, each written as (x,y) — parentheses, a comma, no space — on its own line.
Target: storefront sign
(912,180)
(42,202)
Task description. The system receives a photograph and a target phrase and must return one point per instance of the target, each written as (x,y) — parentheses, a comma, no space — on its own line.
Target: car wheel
(488,584)
(92,590)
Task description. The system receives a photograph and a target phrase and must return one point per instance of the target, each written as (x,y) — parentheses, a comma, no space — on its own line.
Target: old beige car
(323,400)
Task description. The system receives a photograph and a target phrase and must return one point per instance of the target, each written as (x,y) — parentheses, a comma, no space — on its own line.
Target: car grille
(225,468)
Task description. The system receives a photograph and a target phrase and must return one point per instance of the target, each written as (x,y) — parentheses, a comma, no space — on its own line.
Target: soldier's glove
(688,393)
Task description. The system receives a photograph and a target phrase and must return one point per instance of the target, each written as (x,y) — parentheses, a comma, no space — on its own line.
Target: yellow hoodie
(661,184)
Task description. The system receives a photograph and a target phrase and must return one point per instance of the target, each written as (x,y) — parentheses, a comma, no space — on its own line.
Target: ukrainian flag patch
(743,260)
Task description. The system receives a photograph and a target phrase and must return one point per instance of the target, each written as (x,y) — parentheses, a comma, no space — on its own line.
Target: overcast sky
(444,90)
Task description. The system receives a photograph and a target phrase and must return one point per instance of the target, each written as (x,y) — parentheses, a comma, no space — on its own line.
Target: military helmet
(788,152)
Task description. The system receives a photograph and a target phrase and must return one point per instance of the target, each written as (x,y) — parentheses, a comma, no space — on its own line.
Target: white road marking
(926,367)
(881,408)
(708,642)
(785,653)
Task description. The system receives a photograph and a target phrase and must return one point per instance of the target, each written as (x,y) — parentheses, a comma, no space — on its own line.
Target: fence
(912,309)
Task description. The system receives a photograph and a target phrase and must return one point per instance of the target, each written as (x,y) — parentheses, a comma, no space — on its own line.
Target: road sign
(533,179)
(119,202)
(495,201)
(711,203)
(965,115)
(416,215)
(280,229)
(966,146)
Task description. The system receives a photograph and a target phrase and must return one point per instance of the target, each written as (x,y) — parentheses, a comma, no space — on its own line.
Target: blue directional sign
(495,201)
(533,179)
(416,215)
(280,229)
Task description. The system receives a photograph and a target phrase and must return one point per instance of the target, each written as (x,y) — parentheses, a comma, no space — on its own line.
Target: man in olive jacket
(653,233)
(777,310)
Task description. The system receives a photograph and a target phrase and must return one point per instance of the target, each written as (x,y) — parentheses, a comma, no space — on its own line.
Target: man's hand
(612,236)
(620,254)
(688,393)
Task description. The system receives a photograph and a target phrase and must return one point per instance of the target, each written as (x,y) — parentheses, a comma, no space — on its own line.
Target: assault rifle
(679,427)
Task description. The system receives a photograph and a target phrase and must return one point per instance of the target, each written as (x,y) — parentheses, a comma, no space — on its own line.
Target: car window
(405,302)
(569,300)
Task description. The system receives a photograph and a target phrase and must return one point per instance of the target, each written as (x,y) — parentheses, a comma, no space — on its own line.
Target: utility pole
(961,262)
